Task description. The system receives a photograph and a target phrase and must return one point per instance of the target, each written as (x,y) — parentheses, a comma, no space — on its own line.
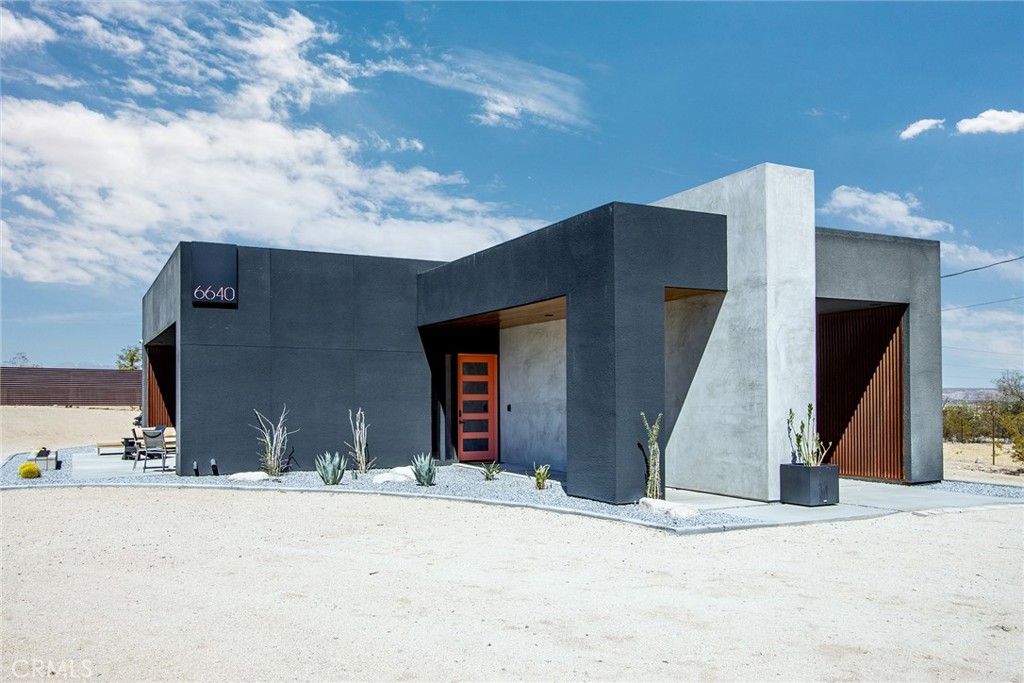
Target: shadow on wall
(688,326)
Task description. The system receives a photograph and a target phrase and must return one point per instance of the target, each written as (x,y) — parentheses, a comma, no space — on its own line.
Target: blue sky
(435,130)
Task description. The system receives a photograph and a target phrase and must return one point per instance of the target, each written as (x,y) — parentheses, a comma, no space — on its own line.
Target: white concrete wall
(532,380)
(758,355)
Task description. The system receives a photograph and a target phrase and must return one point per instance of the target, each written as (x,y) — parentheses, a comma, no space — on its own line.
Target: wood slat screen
(70,387)
(161,383)
(860,390)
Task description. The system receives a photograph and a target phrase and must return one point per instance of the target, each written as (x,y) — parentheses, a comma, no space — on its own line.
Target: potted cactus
(806,479)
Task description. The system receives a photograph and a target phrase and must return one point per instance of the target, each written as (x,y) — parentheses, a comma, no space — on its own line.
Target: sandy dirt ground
(973,462)
(132,584)
(25,428)
(180,584)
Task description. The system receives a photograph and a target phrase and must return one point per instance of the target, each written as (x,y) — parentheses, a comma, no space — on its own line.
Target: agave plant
(424,469)
(491,470)
(331,468)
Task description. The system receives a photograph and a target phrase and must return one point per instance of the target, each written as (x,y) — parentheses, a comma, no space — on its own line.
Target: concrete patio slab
(91,466)
(858,500)
(709,501)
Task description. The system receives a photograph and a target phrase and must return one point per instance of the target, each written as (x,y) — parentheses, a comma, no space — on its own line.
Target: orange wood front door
(478,407)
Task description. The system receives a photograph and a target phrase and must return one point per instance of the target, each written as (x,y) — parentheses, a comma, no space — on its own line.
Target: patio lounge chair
(152,445)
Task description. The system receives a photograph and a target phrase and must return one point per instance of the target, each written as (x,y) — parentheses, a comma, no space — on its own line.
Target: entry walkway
(858,499)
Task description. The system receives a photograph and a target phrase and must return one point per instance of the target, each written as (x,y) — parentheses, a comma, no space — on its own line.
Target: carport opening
(860,386)
(161,379)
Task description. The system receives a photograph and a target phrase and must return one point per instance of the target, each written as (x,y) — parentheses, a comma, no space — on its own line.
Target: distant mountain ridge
(967,395)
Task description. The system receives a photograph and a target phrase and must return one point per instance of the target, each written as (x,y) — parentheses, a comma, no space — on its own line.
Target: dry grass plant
(273,439)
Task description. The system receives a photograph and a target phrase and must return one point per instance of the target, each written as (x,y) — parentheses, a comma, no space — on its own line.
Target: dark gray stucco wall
(161,303)
(161,308)
(612,264)
(868,267)
(320,333)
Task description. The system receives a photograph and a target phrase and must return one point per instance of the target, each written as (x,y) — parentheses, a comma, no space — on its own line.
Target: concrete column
(759,361)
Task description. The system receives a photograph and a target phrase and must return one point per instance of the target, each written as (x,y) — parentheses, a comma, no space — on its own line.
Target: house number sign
(214,275)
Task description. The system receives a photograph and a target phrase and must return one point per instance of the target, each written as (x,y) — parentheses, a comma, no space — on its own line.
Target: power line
(971,270)
(985,303)
(998,353)
(980,367)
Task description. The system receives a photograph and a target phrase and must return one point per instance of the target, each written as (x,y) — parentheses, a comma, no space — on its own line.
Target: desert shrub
(273,440)
(653,457)
(424,469)
(360,461)
(1013,424)
(540,476)
(805,442)
(331,468)
(29,470)
(491,470)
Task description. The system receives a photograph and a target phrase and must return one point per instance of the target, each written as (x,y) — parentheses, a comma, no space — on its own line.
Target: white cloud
(511,91)
(34,205)
(140,87)
(284,76)
(957,256)
(400,144)
(884,211)
(18,32)
(130,186)
(993,121)
(918,127)
(997,330)
(57,81)
(95,33)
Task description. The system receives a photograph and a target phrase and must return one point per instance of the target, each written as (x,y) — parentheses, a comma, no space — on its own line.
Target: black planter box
(810,486)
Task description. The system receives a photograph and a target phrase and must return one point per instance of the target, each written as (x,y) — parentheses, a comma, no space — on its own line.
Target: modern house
(722,307)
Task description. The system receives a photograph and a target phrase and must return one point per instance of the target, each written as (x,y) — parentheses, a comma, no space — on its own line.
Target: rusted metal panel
(70,387)
(161,380)
(860,390)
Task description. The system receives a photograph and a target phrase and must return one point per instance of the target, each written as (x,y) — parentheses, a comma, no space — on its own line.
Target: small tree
(130,358)
(18,360)
(1010,388)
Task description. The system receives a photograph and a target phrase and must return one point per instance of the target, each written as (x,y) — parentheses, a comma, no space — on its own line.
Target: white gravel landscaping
(454,481)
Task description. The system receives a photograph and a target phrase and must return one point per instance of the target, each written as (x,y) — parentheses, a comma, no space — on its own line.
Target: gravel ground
(978,489)
(9,471)
(452,481)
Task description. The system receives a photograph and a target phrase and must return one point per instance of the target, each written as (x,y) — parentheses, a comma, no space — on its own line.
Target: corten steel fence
(860,390)
(70,387)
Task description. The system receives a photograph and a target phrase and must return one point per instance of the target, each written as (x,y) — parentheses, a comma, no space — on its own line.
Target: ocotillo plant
(358,446)
(653,457)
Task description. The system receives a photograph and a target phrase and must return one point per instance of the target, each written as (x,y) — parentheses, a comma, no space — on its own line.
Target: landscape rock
(249,476)
(405,471)
(669,509)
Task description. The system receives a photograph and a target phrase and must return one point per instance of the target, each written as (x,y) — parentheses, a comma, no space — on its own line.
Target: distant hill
(967,395)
